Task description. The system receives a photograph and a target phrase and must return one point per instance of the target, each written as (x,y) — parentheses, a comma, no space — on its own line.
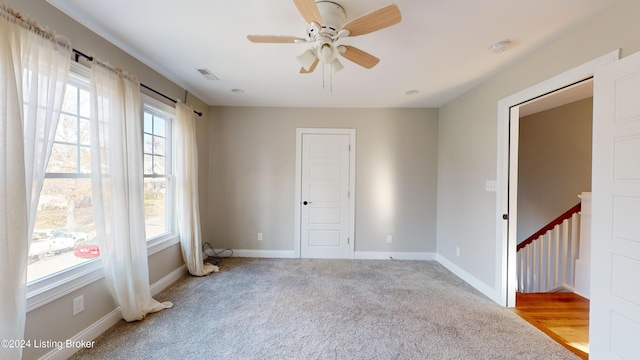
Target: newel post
(583,263)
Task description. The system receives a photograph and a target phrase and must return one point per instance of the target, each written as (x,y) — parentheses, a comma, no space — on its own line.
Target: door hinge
(349,147)
(348,194)
(347,241)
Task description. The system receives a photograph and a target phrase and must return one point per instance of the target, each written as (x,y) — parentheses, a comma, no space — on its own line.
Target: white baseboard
(384,255)
(168,280)
(489,292)
(364,255)
(288,254)
(88,335)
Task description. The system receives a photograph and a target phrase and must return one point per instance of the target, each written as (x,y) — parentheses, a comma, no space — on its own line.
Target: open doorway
(554,137)
(507,192)
(555,91)
(553,179)
(554,158)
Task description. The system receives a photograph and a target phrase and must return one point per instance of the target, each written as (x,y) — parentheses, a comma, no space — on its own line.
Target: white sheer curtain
(187,206)
(34,67)
(117,186)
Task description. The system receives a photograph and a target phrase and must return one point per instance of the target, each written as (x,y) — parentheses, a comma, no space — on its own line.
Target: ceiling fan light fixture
(306,59)
(336,66)
(327,52)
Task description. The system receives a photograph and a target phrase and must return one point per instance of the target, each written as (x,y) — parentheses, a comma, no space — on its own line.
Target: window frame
(163,109)
(54,286)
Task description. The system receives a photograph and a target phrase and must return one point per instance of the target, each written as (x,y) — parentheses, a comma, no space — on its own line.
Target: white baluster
(565,251)
(575,246)
(548,261)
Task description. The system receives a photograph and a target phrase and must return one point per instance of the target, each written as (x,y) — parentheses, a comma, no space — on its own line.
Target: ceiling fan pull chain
(323,75)
(331,78)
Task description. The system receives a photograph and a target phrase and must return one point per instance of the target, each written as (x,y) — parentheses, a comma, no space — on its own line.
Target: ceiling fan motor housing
(333,19)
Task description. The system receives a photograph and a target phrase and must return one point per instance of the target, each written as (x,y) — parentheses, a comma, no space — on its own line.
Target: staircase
(546,261)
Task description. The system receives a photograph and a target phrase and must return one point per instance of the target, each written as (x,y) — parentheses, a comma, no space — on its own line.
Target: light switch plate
(490,185)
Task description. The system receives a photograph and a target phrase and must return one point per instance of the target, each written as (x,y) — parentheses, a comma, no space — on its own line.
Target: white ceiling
(441,47)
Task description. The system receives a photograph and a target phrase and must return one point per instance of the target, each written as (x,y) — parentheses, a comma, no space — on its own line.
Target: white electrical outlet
(389,239)
(259,236)
(458,251)
(78,305)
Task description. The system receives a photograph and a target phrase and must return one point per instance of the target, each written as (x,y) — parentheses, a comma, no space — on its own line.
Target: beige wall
(467,151)
(54,321)
(253,170)
(554,163)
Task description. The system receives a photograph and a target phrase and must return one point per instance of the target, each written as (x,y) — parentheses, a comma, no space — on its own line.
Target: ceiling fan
(327,24)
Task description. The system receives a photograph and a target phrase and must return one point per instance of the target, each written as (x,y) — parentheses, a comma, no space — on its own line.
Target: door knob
(306,202)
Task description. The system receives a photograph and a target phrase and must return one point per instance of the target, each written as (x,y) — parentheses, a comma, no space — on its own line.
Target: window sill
(50,288)
(157,244)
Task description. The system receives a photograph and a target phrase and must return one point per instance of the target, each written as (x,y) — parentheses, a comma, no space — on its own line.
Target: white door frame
(298,184)
(506,199)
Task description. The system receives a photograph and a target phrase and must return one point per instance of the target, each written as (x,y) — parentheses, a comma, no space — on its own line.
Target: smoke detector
(500,46)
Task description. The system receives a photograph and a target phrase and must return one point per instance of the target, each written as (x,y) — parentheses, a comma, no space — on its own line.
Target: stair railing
(546,260)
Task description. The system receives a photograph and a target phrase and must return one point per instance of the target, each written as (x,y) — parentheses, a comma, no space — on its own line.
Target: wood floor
(562,316)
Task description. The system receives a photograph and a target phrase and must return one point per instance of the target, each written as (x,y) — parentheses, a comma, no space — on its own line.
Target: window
(64,253)
(64,240)
(64,227)
(157,172)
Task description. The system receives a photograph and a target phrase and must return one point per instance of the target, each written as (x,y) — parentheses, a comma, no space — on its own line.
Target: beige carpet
(326,309)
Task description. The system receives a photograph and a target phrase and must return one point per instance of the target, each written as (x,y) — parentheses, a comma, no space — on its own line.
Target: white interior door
(615,250)
(324,196)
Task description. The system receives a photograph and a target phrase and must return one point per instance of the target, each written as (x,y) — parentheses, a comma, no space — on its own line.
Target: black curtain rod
(79,54)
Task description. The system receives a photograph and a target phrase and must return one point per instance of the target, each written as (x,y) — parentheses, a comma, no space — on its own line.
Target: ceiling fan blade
(309,11)
(373,21)
(313,67)
(360,57)
(272,39)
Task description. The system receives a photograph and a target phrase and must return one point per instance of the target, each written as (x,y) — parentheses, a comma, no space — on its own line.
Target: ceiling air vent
(207,74)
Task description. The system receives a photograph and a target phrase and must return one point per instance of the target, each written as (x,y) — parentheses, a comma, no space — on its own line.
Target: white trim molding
(488,291)
(284,254)
(390,255)
(43,291)
(359,255)
(85,336)
(169,279)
